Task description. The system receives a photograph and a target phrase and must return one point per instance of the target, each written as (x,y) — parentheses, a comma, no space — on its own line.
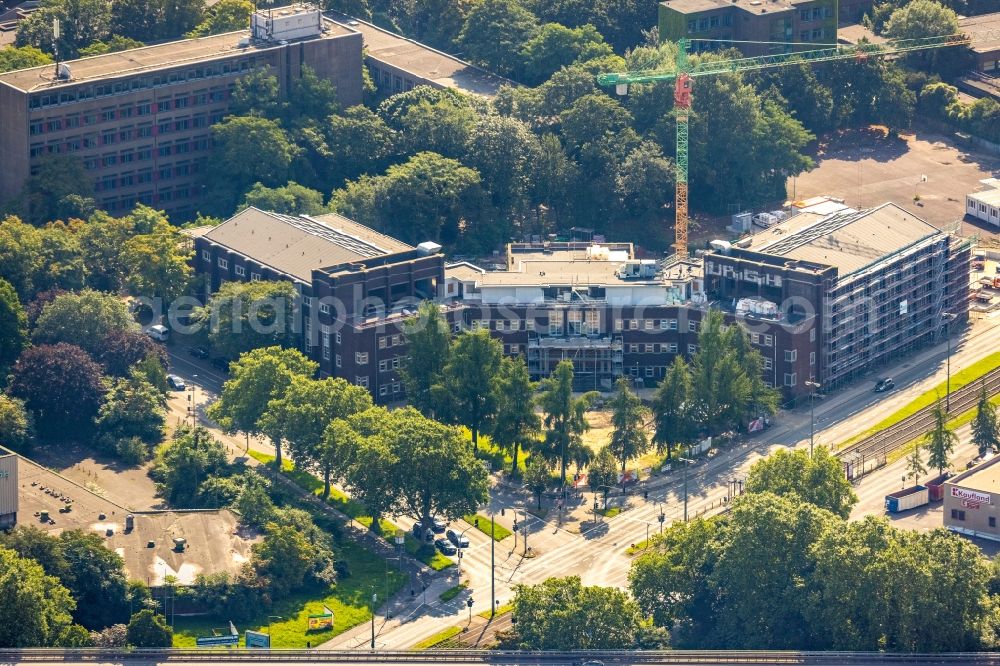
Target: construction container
(935,487)
(906,499)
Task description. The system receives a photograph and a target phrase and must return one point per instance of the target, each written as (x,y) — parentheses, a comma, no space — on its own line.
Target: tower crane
(685,71)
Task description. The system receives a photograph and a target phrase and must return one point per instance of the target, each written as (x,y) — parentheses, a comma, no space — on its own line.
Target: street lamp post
(269,618)
(948,317)
(812,413)
(686,462)
(374,601)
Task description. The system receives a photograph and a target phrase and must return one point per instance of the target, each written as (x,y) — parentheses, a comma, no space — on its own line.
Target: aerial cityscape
(500,331)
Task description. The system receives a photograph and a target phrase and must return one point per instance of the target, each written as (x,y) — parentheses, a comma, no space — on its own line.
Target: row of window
(389,341)
(80,93)
(139,109)
(395,387)
(959,514)
(708,22)
(389,82)
(385,365)
(812,35)
(815,13)
(652,324)
(238,269)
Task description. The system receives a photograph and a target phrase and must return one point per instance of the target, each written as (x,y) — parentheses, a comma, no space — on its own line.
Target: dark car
(460,540)
(425,535)
(198,352)
(438,525)
(219,363)
(445,547)
(884,384)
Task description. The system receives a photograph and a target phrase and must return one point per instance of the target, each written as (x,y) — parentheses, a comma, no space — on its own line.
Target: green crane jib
(684,71)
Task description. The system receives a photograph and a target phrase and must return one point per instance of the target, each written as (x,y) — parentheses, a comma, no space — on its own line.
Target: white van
(158,332)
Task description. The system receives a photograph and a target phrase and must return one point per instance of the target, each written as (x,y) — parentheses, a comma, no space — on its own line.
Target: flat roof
(561,269)
(464,271)
(988,197)
(148,59)
(296,246)
(423,61)
(975,26)
(848,240)
(214,541)
(984,477)
(752,6)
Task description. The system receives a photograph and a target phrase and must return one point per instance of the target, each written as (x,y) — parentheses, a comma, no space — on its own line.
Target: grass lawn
(355,510)
(958,380)
(637,548)
(499,531)
(452,592)
(438,638)
(610,512)
(962,419)
(506,608)
(347,598)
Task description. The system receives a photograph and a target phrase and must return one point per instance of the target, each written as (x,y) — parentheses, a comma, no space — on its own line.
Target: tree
(557,46)
(537,478)
(819,479)
(101,242)
(13,325)
(246,150)
(429,340)
(290,199)
(154,20)
(628,438)
(301,414)
(562,614)
(258,93)
(472,367)
(644,181)
(494,33)
(925,18)
(940,441)
(190,458)
(673,405)
(61,385)
(565,416)
(57,184)
(244,316)
(283,558)
(95,576)
(591,118)
(115,636)
(13,57)
(516,424)
(256,378)
(34,607)
(504,151)
(112,44)
(358,141)
(915,463)
(602,474)
(158,263)
(985,430)
(121,350)
(132,408)
(17,431)
(368,461)
(311,97)
(83,319)
(224,16)
(148,629)
(81,23)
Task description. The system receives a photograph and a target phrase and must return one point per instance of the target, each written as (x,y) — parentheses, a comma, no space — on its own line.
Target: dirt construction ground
(867,168)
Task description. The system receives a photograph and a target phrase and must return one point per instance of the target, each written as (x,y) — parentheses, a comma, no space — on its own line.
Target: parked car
(158,332)
(176,383)
(198,352)
(219,363)
(884,384)
(427,536)
(438,525)
(460,540)
(446,547)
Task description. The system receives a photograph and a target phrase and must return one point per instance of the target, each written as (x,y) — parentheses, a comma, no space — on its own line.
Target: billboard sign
(210,641)
(321,622)
(971,495)
(257,639)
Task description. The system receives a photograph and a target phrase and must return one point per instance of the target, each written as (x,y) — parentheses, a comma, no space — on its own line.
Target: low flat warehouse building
(972,501)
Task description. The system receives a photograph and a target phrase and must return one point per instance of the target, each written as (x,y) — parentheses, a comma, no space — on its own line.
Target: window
(672,347)
(649,371)
(791,379)
(555,328)
(812,358)
(383,389)
(817,33)
(397,340)
(326,354)
(993,521)
(713,22)
(649,324)
(791,355)
(324,308)
(381,342)
(361,381)
(515,349)
(337,360)
(395,362)
(383,365)
(255,277)
(618,324)
(338,337)
(239,270)
(396,387)
(768,340)
(649,348)
(223,263)
(529,324)
(805,14)
(163,106)
(804,36)
(361,358)
(633,348)
(692,26)
(206,255)
(692,327)
(633,324)
(768,365)
(957,514)
(692,349)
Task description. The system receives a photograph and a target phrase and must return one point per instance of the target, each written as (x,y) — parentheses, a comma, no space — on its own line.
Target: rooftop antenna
(270,19)
(55,42)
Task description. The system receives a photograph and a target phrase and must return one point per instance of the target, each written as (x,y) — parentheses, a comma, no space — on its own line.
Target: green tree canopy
(673,409)
(565,416)
(158,262)
(61,386)
(83,319)
(17,431)
(556,46)
(224,16)
(246,316)
(132,407)
(819,480)
(81,23)
(34,606)
(149,629)
(290,199)
(495,32)
(516,423)
(469,375)
(985,429)
(13,325)
(429,339)
(940,441)
(628,439)
(189,459)
(22,57)
(59,186)
(602,474)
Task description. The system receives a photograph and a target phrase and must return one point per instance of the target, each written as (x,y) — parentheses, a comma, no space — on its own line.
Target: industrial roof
(296,246)
(974,26)
(147,59)
(752,6)
(422,61)
(848,240)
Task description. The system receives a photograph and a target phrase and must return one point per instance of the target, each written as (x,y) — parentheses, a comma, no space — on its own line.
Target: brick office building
(140,119)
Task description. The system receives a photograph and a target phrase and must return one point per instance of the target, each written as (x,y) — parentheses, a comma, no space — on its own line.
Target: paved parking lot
(867,168)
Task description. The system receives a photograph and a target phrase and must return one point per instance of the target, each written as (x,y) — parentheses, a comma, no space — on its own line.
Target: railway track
(652,657)
(896,435)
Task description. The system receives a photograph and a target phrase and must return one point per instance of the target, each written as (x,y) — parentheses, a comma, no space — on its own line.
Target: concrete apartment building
(972,501)
(140,119)
(751,24)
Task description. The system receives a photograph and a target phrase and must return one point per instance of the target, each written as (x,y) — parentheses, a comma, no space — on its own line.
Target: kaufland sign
(970,495)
